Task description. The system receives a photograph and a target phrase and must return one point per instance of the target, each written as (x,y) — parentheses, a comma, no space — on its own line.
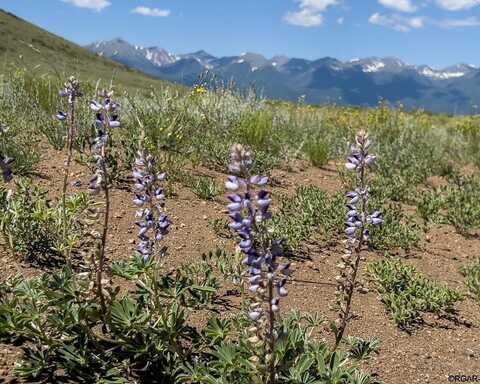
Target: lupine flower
(5,165)
(358,219)
(4,128)
(249,212)
(105,119)
(71,91)
(6,162)
(104,112)
(97,182)
(150,199)
(61,116)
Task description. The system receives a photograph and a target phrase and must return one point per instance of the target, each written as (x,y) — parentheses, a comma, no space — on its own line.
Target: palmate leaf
(361,349)
(125,315)
(363,378)
(130,270)
(35,363)
(226,357)
(197,373)
(112,376)
(299,372)
(72,357)
(230,364)
(217,330)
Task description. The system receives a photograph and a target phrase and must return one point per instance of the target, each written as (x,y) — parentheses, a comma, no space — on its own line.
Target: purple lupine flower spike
(5,161)
(103,121)
(71,91)
(248,208)
(5,166)
(153,223)
(358,220)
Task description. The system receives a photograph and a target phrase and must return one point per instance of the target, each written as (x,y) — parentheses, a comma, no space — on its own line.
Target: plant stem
(101,254)
(358,250)
(351,289)
(70,140)
(271,336)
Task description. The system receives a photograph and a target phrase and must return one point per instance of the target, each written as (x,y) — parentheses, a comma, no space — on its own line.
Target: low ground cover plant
(471,272)
(407,294)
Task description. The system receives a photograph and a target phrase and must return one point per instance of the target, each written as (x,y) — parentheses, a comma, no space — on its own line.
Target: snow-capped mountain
(361,81)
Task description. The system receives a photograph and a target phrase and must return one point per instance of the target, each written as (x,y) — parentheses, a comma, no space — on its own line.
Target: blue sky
(434,32)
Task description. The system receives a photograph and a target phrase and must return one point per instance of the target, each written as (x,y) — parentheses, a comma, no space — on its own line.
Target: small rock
(363,290)
(131,241)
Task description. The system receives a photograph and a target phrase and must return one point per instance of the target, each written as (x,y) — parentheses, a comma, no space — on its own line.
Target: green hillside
(23,45)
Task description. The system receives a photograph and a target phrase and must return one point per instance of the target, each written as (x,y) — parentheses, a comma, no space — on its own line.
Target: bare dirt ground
(430,354)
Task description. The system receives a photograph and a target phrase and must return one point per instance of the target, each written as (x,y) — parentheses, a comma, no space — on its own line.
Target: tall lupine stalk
(71,91)
(149,198)
(249,212)
(357,222)
(106,118)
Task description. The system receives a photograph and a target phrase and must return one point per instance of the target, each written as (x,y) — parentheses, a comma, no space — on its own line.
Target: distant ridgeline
(359,82)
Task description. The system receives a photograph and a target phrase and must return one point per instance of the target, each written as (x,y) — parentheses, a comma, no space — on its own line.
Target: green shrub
(429,206)
(408,294)
(462,204)
(318,151)
(205,188)
(398,230)
(33,225)
(297,358)
(308,209)
(472,278)
(256,130)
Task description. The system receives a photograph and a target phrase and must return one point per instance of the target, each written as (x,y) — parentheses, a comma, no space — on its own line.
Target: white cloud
(397,22)
(96,5)
(457,5)
(155,12)
(310,12)
(304,18)
(460,23)
(399,5)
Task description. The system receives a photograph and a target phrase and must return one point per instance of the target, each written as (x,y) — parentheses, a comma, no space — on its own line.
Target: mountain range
(358,82)
(361,82)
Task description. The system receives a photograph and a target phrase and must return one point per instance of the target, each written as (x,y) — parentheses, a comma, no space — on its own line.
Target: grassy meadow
(86,296)
(183,318)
